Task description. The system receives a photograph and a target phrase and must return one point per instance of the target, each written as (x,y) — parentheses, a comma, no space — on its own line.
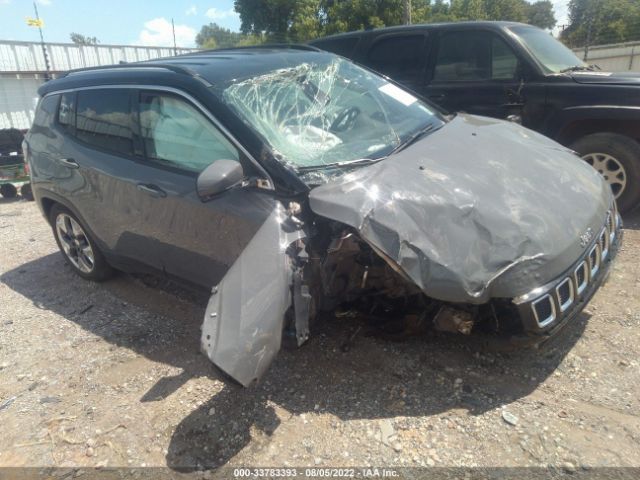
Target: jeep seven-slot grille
(567,290)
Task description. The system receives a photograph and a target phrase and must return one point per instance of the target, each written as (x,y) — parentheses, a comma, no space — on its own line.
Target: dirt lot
(110,375)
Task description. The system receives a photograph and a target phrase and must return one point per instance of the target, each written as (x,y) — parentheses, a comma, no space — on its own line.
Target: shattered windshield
(328,113)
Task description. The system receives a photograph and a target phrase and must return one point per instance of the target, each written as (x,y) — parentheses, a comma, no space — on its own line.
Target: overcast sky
(130,21)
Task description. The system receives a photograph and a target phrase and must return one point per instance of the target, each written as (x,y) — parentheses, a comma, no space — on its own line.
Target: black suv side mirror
(221,175)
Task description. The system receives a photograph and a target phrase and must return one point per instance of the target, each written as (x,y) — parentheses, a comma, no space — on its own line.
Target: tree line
(302,20)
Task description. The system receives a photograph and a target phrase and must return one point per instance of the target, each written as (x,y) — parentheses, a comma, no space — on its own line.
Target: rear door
(100,152)
(400,56)
(475,71)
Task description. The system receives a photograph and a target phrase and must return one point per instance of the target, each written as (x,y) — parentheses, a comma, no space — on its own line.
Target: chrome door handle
(152,190)
(69,162)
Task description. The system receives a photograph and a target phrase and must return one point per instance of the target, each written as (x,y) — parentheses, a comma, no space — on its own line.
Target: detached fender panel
(243,324)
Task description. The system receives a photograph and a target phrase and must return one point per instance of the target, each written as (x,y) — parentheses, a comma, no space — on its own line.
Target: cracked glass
(319,113)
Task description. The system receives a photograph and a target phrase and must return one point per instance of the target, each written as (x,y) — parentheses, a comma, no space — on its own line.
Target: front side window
(103,119)
(178,135)
(326,110)
(473,56)
(398,57)
(552,54)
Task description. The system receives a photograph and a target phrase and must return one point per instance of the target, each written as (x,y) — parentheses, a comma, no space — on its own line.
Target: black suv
(517,72)
(291,182)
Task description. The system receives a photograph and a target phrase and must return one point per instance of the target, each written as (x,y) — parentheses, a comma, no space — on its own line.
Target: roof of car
(208,66)
(427,26)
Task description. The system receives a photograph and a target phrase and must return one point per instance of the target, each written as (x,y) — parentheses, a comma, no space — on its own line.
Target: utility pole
(47,75)
(407,12)
(173,28)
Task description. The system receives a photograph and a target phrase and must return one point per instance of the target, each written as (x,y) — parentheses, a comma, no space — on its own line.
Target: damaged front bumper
(546,309)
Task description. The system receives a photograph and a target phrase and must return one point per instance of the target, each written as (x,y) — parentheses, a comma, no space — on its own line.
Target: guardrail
(28,57)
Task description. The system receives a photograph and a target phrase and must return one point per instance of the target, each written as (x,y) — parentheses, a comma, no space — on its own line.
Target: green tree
(80,39)
(215,36)
(595,22)
(541,14)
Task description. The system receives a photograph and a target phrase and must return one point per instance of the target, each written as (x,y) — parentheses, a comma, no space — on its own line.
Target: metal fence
(23,67)
(23,57)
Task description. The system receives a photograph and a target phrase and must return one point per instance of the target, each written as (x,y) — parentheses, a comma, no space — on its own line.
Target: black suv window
(178,135)
(398,57)
(473,56)
(103,119)
(339,46)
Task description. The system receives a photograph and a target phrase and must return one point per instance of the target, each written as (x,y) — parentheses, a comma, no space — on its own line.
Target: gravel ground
(110,375)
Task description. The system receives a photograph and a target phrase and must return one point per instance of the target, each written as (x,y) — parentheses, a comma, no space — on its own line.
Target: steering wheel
(345,120)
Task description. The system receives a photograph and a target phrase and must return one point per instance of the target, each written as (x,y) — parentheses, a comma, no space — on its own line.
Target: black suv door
(475,71)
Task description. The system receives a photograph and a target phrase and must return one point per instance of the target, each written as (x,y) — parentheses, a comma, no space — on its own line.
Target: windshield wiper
(413,138)
(346,163)
(580,68)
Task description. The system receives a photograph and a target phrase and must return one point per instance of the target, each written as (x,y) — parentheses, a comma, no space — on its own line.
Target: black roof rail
(135,65)
(288,46)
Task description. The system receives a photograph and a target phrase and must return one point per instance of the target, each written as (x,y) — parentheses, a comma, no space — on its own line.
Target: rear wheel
(77,246)
(617,159)
(8,191)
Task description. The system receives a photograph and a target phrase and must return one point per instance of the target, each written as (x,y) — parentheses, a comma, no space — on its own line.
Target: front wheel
(77,246)
(617,159)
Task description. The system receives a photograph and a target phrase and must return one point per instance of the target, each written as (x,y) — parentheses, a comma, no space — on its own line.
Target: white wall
(17,94)
(618,57)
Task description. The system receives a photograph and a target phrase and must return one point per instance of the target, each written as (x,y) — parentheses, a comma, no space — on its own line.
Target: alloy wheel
(75,243)
(611,169)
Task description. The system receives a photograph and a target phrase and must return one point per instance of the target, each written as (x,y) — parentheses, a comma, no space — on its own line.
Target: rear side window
(339,46)
(397,57)
(46,111)
(474,56)
(178,135)
(103,119)
(66,111)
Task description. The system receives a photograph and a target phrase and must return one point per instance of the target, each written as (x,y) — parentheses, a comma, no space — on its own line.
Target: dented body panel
(480,208)
(243,324)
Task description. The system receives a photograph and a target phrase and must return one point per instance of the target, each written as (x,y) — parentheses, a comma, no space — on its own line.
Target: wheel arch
(573,123)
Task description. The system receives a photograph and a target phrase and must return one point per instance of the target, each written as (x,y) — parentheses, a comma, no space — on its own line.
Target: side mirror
(221,175)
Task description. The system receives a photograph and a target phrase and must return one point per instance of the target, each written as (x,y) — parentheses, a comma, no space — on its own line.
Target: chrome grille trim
(545,321)
(558,296)
(567,303)
(603,240)
(580,286)
(594,257)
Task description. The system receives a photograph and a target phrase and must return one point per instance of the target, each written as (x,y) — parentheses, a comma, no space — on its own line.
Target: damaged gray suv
(292,182)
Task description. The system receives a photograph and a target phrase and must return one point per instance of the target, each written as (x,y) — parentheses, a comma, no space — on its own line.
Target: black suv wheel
(617,159)
(77,246)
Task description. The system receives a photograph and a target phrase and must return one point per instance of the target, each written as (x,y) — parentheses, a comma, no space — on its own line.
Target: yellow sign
(35,22)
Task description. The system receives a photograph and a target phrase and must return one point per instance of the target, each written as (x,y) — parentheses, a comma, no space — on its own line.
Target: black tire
(8,191)
(26,192)
(627,152)
(100,269)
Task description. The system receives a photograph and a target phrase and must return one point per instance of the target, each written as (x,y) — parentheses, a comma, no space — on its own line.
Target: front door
(197,240)
(477,72)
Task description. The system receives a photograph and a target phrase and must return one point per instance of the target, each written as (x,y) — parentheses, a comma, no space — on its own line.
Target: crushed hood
(478,209)
(621,78)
